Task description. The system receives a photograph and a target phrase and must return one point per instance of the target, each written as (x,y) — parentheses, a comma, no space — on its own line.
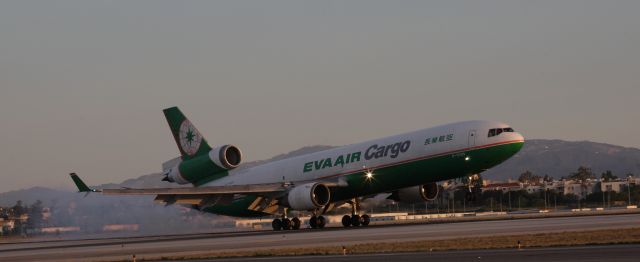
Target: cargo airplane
(406,165)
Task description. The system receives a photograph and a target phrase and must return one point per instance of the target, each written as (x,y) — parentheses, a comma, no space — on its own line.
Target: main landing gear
(294,224)
(355,219)
(317,222)
(285,223)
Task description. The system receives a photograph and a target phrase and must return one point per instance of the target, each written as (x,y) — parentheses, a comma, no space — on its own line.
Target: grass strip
(555,239)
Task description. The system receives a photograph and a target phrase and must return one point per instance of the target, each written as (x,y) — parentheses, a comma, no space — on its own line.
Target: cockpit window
(498,131)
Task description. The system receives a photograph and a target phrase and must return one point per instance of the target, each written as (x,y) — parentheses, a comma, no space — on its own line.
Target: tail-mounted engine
(206,166)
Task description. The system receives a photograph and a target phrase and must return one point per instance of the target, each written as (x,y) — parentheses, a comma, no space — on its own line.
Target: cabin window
(498,131)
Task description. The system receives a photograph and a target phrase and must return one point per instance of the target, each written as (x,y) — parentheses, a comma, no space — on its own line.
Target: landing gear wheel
(286,224)
(346,221)
(355,220)
(365,220)
(313,222)
(321,222)
(295,223)
(276,224)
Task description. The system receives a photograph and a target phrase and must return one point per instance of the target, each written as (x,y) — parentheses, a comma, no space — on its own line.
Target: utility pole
(491,201)
(448,205)
(501,201)
(629,189)
(453,202)
(509,199)
(603,201)
(545,199)
(519,206)
(579,198)
(464,205)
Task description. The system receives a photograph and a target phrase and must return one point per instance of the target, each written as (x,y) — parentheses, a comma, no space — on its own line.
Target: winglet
(82,187)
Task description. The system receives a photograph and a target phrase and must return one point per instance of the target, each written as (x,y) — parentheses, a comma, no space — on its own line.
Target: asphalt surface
(568,254)
(123,248)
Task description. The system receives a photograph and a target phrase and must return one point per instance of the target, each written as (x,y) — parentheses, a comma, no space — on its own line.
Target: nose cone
(518,143)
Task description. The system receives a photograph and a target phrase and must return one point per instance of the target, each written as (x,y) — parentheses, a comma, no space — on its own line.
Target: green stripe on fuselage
(424,171)
(390,178)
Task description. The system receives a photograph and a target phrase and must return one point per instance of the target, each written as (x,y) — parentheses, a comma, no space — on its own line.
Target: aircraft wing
(266,194)
(210,190)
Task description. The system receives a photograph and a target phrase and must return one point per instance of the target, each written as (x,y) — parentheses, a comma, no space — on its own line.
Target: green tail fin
(187,137)
(82,187)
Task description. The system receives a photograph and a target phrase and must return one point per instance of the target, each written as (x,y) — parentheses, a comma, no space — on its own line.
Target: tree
(547,178)
(525,177)
(35,216)
(529,178)
(608,176)
(18,209)
(582,174)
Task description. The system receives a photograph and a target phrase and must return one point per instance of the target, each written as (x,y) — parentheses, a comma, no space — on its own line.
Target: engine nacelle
(227,156)
(218,160)
(308,196)
(416,194)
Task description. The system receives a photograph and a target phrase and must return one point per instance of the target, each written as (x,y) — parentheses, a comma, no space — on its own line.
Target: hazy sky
(83,83)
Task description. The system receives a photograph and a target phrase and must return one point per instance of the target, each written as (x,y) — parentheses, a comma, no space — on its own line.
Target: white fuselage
(374,154)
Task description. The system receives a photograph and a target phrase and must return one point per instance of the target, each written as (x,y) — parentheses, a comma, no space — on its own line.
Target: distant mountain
(31,195)
(558,158)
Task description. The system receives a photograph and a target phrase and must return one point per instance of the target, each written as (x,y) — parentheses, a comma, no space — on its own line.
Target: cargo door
(472,138)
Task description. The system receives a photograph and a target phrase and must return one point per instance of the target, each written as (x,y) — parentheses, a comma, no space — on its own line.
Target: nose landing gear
(474,184)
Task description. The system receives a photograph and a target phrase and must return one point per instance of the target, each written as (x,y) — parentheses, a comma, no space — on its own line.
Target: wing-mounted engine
(416,194)
(308,196)
(207,166)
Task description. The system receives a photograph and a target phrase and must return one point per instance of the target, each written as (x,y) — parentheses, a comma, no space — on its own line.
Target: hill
(558,158)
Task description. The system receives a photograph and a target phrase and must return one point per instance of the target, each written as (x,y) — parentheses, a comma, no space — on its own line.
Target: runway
(123,248)
(618,253)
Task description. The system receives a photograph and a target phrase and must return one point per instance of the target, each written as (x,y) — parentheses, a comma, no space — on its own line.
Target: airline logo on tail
(190,138)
